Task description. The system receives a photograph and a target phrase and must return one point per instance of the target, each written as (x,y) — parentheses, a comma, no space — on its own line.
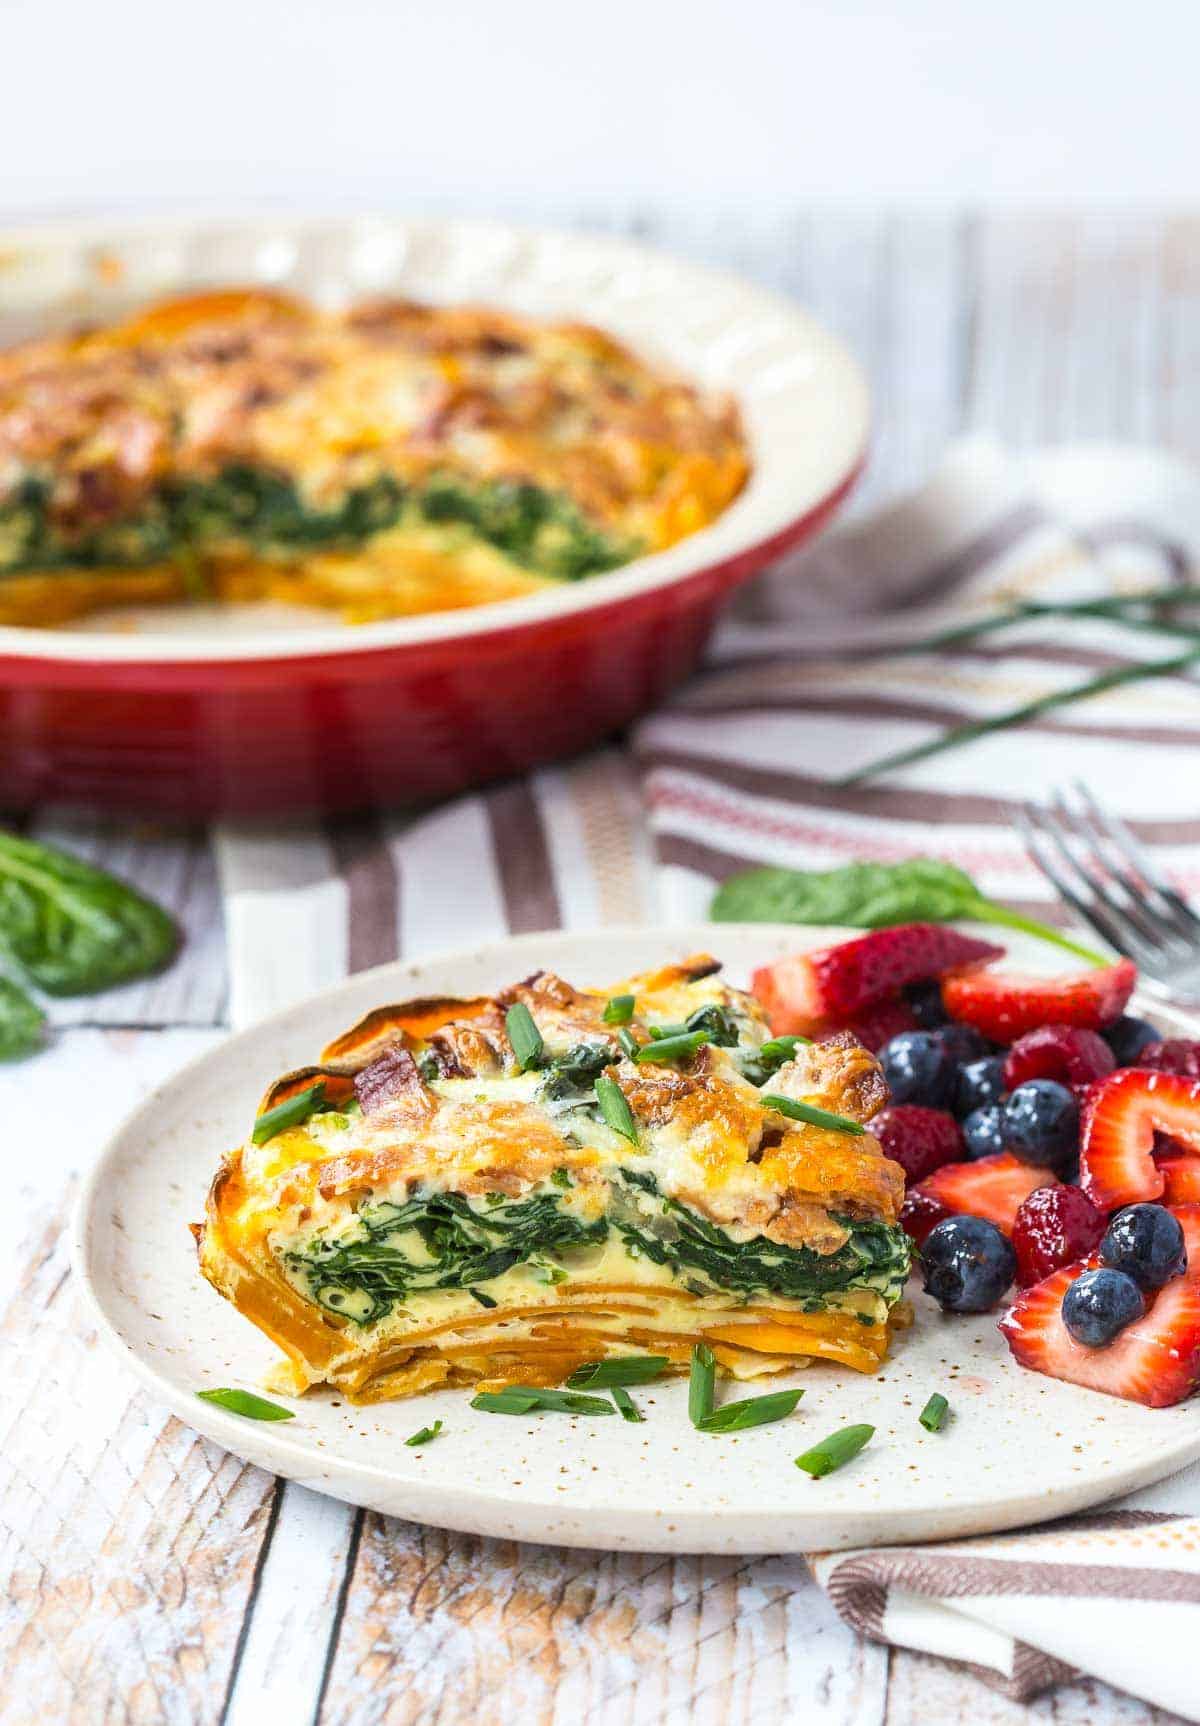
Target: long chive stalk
(1114,607)
(1018,715)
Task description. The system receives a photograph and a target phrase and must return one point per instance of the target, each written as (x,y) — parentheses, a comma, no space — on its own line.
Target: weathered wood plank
(128,1544)
(1068,326)
(445,1630)
(1177,373)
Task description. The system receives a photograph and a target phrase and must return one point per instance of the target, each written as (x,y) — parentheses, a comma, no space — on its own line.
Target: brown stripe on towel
(522,859)
(860,1593)
(908,804)
(946,715)
(364,859)
(941,1574)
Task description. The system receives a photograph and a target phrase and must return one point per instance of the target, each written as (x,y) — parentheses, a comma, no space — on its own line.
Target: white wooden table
(151,1577)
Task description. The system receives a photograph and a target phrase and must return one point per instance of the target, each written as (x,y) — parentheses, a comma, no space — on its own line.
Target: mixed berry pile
(1050,1141)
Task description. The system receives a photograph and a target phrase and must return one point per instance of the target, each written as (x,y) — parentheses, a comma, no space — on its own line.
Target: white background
(571,108)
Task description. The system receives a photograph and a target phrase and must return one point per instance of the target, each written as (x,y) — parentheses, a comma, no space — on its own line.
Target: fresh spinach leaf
(73,929)
(22,1022)
(873,896)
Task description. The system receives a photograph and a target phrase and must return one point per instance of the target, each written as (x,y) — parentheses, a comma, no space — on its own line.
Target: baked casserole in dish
(385,460)
(495,1191)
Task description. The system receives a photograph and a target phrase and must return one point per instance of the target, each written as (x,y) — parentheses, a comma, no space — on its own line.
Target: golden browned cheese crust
(445,1111)
(430,420)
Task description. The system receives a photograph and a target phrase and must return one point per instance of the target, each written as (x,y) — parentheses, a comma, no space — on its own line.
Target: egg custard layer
(496,1191)
(383,460)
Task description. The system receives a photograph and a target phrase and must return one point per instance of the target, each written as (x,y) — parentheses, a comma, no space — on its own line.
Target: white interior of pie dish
(1019,1448)
(803,396)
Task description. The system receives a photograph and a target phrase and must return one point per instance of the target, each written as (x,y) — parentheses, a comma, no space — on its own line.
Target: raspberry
(919,1139)
(1175,1055)
(1064,1052)
(920,1214)
(1055,1226)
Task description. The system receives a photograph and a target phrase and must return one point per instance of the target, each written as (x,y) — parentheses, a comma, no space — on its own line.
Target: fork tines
(1102,871)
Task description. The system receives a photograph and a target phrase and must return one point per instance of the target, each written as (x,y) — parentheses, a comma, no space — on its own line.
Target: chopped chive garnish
(524,1036)
(619,1010)
(622,1369)
(424,1435)
(289,1113)
(751,1411)
(629,1409)
(509,1401)
(245,1402)
(776,1050)
(629,1043)
(615,1109)
(834,1451)
(934,1412)
(561,1177)
(525,1399)
(677,1030)
(702,1384)
(674,1048)
(483,1299)
(809,1112)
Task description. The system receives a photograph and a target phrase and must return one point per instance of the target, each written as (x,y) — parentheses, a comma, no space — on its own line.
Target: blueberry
(983,1131)
(964,1042)
(1099,1304)
(925,1000)
(1146,1242)
(979,1082)
(1041,1124)
(919,1069)
(967,1264)
(1128,1037)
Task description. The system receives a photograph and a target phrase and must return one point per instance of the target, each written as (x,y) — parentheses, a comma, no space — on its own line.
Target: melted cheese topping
(103,429)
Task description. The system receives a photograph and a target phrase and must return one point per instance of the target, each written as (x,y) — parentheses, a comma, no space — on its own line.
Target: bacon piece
(390,1077)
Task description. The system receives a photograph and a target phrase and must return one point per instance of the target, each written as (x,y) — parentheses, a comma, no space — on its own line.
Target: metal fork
(1094,862)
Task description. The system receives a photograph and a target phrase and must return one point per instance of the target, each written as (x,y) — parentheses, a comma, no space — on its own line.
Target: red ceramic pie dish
(199,716)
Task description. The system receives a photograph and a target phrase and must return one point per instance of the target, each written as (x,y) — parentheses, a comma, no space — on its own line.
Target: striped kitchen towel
(803,685)
(802,690)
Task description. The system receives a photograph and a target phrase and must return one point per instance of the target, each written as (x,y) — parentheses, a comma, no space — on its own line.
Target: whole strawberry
(1055,1226)
(919,1139)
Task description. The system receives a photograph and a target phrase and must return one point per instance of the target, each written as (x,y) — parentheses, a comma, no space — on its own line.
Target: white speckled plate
(1020,1447)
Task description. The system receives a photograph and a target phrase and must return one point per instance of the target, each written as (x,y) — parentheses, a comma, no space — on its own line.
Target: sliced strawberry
(991,1187)
(1006,1006)
(1064,1052)
(1181,1179)
(920,1140)
(1155,1360)
(833,985)
(1054,1227)
(920,1213)
(879,1023)
(1122,1113)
